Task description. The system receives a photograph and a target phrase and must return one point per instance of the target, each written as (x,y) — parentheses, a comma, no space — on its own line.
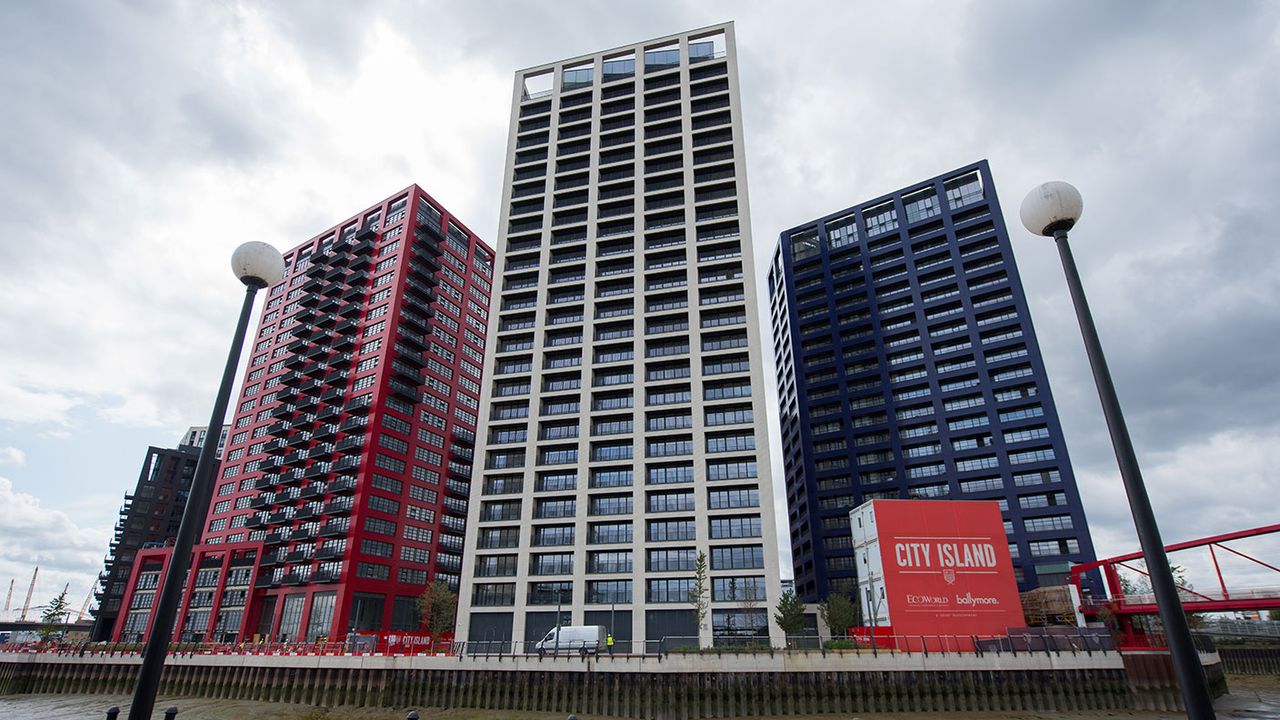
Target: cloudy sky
(143,140)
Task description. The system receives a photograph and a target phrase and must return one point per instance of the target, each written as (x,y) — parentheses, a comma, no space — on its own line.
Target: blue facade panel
(908,367)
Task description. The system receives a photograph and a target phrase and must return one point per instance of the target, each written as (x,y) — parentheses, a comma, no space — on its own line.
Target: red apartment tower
(345,482)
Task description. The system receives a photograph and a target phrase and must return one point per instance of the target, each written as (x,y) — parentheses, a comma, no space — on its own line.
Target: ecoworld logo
(969,599)
(928,599)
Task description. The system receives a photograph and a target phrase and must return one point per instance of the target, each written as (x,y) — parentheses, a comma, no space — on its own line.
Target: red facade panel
(946,568)
(349,458)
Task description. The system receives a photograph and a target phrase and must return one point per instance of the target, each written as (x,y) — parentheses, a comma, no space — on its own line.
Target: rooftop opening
(619,67)
(576,76)
(707,47)
(537,85)
(662,57)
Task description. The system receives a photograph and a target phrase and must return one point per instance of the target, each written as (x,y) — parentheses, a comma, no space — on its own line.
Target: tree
(840,613)
(1142,586)
(790,613)
(438,606)
(698,594)
(1274,615)
(54,614)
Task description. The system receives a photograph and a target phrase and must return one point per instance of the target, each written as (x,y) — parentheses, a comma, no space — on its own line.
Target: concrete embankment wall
(1250,661)
(673,687)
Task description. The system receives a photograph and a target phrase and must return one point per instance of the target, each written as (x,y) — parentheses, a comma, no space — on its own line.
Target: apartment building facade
(908,366)
(625,433)
(148,518)
(346,478)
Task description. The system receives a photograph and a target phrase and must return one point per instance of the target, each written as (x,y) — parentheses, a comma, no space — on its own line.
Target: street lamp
(257,265)
(1051,210)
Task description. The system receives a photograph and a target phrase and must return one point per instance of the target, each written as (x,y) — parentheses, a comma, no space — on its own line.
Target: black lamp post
(257,265)
(1051,210)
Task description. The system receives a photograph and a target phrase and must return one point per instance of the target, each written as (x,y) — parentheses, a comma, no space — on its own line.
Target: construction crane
(85,607)
(9,598)
(27,605)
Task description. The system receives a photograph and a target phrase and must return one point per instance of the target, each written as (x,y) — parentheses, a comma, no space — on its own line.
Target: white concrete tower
(624,431)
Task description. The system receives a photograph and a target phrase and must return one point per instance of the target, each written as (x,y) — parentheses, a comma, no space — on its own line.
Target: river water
(1251,698)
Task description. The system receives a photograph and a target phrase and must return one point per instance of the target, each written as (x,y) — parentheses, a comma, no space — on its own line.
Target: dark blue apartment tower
(908,367)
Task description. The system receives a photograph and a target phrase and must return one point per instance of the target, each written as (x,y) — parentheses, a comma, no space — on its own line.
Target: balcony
(403,390)
(280,516)
(343,484)
(323,450)
(314,371)
(340,506)
(327,430)
(349,463)
(353,423)
(303,533)
(329,553)
(325,576)
(336,274)
(334,530)
(317,352)
(420,290)
(266,581)
(429,229)
(272,558)
(280,429)
(408,356)
(458,488)
(276,538)
(448,562)
(297,456)
(458,507)
(347,327)
(297,360)
(300,439)
(407,373)
(317,470)
(331,412)
(463,435)
(297,556)
(256,521)
(414,320)
(296,578)
(266,481)
(292,476)
(287,394)
(314,490)
(451,542)
(262,501)
(344,341)
(454,523)
(351,294)
(412,338)
(350,443)
(306,419)
(283,411)
(359,406)
(306,512)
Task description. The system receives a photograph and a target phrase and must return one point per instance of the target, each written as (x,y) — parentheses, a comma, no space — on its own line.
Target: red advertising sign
(947,569)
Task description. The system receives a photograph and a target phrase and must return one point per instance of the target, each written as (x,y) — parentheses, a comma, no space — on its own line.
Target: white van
(585,639)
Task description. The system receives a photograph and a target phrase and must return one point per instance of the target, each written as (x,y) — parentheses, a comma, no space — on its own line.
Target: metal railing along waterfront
(1057,641)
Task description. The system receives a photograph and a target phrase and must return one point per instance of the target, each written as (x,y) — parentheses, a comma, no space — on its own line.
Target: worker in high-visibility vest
(608,640)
